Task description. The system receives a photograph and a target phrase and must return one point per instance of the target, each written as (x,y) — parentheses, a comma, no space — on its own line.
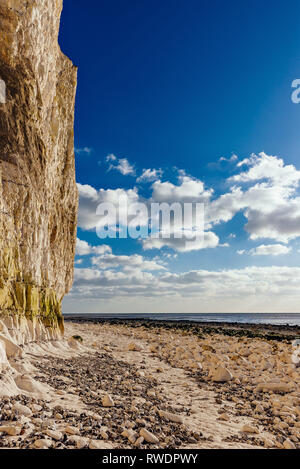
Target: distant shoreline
(264,331)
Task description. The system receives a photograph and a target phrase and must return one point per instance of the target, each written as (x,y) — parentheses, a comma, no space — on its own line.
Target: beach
(144,384)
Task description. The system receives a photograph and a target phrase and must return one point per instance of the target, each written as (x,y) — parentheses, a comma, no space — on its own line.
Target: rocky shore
(117,384)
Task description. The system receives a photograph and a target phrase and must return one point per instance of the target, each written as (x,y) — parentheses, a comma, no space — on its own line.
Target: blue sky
(190,89)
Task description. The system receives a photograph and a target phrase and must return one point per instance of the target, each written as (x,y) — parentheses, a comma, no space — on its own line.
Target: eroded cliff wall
(38,195)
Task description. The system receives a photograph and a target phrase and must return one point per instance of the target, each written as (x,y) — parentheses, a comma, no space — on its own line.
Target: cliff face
(38,195)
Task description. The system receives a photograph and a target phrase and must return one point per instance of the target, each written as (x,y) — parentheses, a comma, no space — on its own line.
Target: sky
(187,102)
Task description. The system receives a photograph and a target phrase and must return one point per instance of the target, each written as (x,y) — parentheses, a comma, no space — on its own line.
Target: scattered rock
(10,430)
(78,441)
(148,436)
(27,383)
(130,434)
(133,347)
(104,434)
(224,417)
(268,443)
(22,409)
(43,444)
(55,435)
(36,408)
(71,430)
(288,444)
(107,401)
(171,417)
(98,444)
(274,387)
(139,441)
(250,429)
(221,375)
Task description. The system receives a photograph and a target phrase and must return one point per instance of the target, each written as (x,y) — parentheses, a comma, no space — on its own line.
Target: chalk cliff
(38,195)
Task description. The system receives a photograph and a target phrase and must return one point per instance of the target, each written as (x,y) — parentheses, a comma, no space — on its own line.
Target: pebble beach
(133,384)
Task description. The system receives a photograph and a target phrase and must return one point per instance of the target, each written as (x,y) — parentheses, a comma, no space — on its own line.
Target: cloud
(268,167)
(117,271)
(224,164)
(111,157)
(267,250)
(189,190)
(183,244)
(269,202)
(83,248)
(125,200)
(150,175)
(229,286)
(85,150)
(282,223)
(121,165)
(270,205)
(127,263)
(265,191)
(232,159)
(88,202)
(90,198)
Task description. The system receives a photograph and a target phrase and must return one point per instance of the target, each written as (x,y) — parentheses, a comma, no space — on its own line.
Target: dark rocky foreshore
(264,331)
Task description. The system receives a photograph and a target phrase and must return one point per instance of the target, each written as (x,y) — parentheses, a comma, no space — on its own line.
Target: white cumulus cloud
(84,150)
(121,165)
(83,248)
(245,289)
(189,190)
(267,250)
(149,175)
(127,263)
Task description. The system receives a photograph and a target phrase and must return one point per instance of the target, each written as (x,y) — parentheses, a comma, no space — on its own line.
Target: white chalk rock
(11,349)
(259,409)
(221,375)
(22,409)
(224,417)
(133,347)
(26,383)
(170,416)
(71,430)
(250,429)
(78,441)
(43,444)
(139,441)
(268,442)
(55,435)
(73,343)
(288,444)
(148,436)
(274,387)
(36,408)
(4,364)
(130,434)
(10,430)
(104,434)
(107,401)
(98,444)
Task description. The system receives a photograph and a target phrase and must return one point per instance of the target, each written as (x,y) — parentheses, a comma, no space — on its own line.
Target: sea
(291,319)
